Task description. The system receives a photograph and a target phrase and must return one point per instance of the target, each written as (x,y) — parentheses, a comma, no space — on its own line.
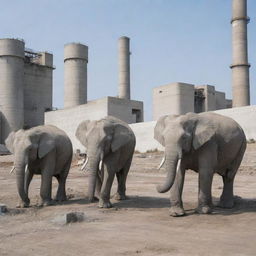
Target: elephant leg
(62,177)
(176,209)
(205,190)
(28,177)
(121,179)
(61,192)
(46,189)
(227,197)
(98,186)
(108,179)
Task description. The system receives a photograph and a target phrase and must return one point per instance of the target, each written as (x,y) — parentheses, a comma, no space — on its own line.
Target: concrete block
(70,217)
(3,208)
(74,217)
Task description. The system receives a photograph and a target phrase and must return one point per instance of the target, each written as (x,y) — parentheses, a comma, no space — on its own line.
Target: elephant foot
(93,199)
(226,203)
(46,203)
(60,198)
(176,211)
(203,209)
(103,204)
(23,204)
(119,197)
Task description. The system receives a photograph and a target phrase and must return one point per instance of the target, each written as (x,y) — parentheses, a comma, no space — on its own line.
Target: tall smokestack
(75,74)
(124,67)
(240,66)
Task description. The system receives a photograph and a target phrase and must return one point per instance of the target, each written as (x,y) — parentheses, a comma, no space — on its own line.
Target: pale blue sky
(171,40)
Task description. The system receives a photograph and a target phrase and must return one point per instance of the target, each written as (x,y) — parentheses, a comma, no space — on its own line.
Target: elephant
(44,150)
(207,143)
(109,146)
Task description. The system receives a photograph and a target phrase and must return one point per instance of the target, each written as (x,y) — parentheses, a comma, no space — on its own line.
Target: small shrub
(152,150)
(250,141)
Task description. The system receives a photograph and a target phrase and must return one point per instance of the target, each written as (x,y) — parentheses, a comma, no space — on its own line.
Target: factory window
(137,114)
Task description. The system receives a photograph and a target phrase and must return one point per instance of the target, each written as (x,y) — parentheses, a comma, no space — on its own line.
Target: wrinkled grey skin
(112,141)
(48,151)
(205,143)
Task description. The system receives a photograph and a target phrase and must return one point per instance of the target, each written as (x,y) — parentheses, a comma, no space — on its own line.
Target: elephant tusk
(13,168)
(85,163)
(161,164)
(178,165)
(26,168)
(100,164)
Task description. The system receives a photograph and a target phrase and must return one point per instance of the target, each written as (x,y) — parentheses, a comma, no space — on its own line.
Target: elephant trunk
(93,170)
(171,164)
(20,177)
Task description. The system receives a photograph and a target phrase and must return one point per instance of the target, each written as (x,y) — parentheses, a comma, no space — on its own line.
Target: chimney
(240,66)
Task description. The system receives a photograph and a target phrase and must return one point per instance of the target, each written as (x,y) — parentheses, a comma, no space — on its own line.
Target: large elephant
(205,143)
(44,150)
(109,145)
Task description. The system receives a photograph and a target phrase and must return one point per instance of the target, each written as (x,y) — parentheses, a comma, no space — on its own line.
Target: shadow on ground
(242,205)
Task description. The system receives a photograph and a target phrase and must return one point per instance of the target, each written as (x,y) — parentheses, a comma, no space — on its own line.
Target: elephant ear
(204,131)
(81,131)
(9,142)
(121,136)
(46,144)
(159,129)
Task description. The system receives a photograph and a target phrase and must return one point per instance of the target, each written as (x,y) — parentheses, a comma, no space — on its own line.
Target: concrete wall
(245,116)
(221,101)
(37,93)
(175,98)
(144,133)
(68,119)
(126,110)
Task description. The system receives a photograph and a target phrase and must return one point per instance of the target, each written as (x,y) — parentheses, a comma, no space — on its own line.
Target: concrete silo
(240,66)
(124,68)
(11,85)
(75,74)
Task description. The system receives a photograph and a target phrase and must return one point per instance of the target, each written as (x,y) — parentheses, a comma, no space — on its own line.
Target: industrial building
(25,86)
(76,105)
(181,98)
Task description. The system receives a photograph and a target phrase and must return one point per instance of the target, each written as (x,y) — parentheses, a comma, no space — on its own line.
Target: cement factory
(26,83)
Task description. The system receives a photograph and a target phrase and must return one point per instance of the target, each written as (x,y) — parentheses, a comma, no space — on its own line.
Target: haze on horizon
(171,41)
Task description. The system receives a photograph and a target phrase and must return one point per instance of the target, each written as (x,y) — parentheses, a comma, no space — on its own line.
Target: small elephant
(109,146)
(205,143)
(44,150)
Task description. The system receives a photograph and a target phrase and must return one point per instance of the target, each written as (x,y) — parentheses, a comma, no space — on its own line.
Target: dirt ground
(140,225)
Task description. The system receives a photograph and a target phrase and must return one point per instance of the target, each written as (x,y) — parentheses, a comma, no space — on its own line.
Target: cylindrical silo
(11,85)
(75,74)
(124,67)
(240,66)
